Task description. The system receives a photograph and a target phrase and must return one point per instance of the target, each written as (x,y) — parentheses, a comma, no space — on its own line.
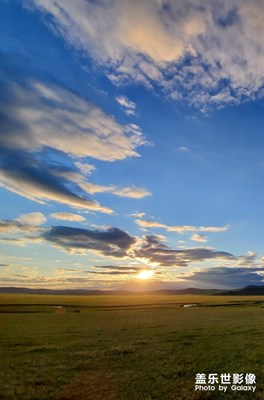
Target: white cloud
(150,224)
(27,228)
(213,228)
(60,119)
(183,149)
(129,106)
(22,183)
(199,238)
(138,214)
(137,138)
(201,51)
(39,117)
(132,192)
(66,216)
(85,169)
(150,71)
(180,228)
(34,219)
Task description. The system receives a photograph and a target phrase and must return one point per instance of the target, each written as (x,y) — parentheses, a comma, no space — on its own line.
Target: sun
(145,274)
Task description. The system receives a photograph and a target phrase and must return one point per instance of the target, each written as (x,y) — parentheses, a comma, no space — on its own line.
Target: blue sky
(131,144)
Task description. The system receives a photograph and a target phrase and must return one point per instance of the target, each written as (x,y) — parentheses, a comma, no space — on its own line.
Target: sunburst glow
(145,274)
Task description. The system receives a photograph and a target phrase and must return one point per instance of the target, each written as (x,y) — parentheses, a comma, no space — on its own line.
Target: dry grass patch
(91,385)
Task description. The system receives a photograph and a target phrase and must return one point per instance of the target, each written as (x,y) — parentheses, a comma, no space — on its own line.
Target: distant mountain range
(89,292)
(251,290)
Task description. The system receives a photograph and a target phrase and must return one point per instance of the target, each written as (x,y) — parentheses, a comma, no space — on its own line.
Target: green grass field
(127,347)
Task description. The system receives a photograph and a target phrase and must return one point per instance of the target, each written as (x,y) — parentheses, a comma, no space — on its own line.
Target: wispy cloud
(36,117)
(183,149)
(180,228)
(249,260)
(128,105)
(132,192)
(181,47)
(138,214)
(71,124)
(117,267)
(92,188)
(156,251)
(102,270)
(35,180)
(111,272)
(150,224)
(199,238)
(86,169)
(66,216)
(21,233)
(16,226)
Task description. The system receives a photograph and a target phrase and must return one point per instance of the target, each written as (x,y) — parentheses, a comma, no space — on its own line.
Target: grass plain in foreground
(134,347)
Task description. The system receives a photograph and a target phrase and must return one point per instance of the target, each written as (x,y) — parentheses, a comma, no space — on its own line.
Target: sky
(131,144)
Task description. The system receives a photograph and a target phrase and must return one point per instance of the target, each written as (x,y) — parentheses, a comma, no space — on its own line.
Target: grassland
(127,347)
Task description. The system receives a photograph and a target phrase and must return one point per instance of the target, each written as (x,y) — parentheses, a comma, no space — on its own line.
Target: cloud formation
(34,219)
(10,226)
(91,188)
(199,238)
(230,271)
(35,118)
(155,251)
(111,272)
(117,268)
(128,106)
(223,277)
(183,48)
(111,242)
(249,260)
(51,116)
(138,214)
(180,228)
(114,242)
(20,233)
(132,192)
(66,216)
(34,179)
(86,169)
